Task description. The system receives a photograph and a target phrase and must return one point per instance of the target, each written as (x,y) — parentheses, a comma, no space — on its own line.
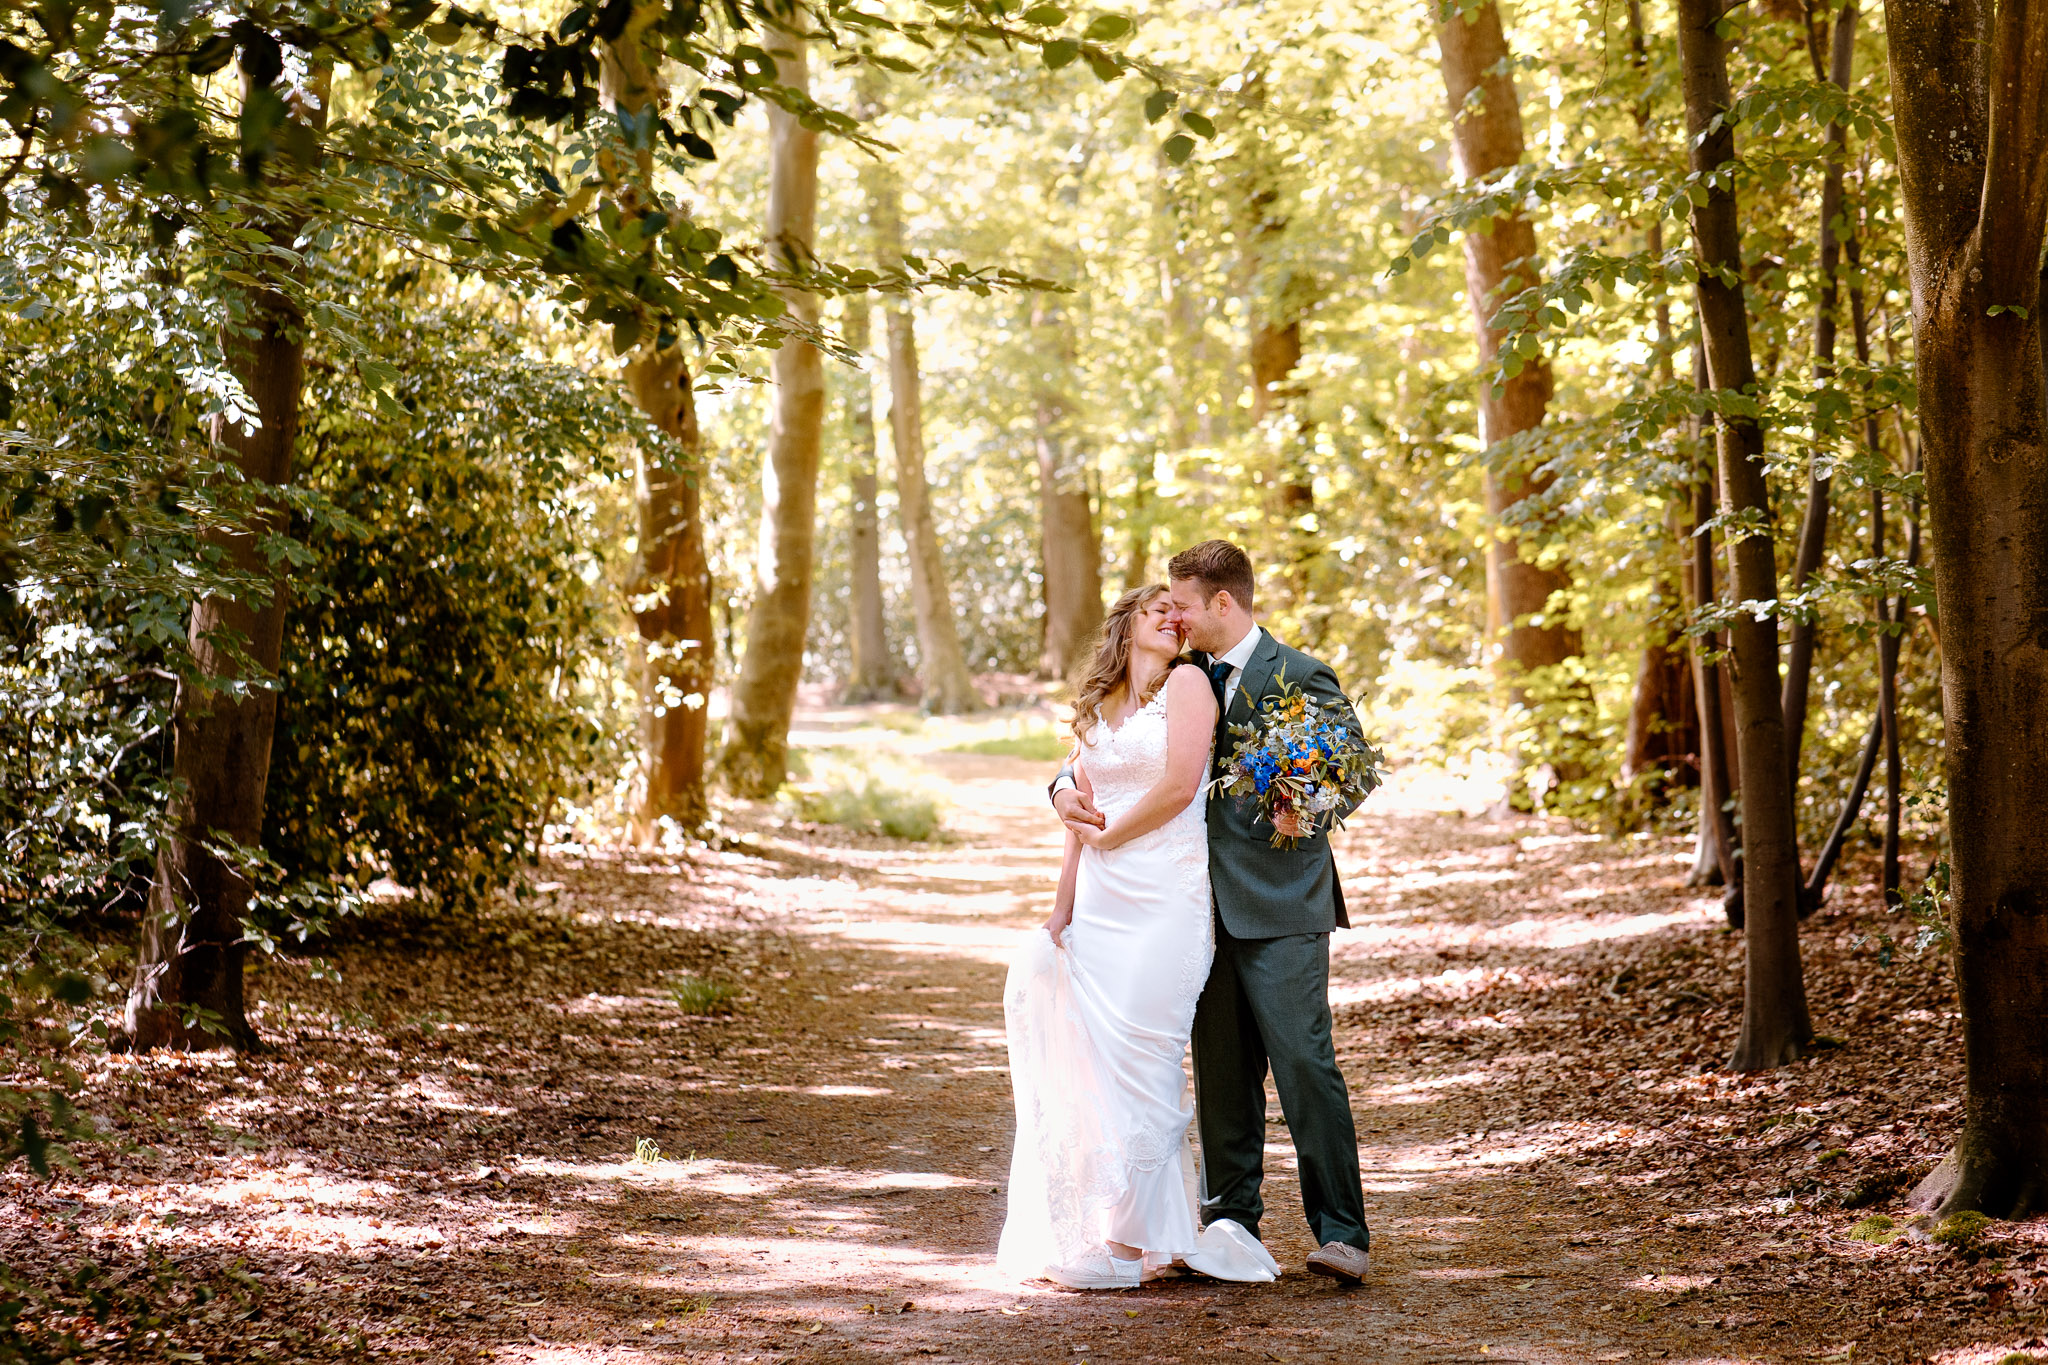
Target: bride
(1100,1004)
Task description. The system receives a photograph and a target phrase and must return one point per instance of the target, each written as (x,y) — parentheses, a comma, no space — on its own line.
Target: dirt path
(439,1159)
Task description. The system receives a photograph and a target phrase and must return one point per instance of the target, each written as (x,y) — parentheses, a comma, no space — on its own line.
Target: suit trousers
(1267,1005)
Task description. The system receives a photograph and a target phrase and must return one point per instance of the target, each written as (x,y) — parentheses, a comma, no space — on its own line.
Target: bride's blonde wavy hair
(1110,668)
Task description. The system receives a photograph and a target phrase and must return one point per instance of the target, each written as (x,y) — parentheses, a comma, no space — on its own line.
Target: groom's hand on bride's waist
(1076,811)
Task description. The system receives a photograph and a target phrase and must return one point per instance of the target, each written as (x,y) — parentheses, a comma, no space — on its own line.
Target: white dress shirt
(1237,656)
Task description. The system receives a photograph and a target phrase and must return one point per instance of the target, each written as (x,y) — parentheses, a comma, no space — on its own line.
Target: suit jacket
(1261,891)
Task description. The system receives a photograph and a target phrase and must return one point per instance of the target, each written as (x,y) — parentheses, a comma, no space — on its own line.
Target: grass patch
(694,995)
(1039,745)
(868,806)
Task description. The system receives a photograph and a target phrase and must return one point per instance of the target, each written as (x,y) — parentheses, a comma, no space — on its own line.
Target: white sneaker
(1098,1270)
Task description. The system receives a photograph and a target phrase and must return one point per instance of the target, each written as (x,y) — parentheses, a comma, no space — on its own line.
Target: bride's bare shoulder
(1188,686)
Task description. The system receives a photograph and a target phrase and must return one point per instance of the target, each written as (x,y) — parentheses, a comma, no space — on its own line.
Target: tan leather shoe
(1340,1261)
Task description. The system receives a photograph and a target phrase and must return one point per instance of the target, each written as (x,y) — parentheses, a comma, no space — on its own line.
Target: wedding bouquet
(1296,755)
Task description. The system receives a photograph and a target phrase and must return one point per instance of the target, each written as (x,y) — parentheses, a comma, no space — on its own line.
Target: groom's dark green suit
(1267,1002)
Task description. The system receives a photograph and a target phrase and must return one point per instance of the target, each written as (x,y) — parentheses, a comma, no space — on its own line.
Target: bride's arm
(1190,722)
(1063,900)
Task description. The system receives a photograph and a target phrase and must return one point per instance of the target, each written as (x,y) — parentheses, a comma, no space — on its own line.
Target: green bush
(431,714)
(868,806)
(1876,1228)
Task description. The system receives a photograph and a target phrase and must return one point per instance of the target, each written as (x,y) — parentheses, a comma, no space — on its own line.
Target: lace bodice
(1124,761)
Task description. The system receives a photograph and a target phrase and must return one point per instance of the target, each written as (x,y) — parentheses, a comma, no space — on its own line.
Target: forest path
(437,1159)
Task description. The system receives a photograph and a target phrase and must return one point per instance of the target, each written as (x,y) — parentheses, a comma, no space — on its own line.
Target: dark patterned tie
(1219,674)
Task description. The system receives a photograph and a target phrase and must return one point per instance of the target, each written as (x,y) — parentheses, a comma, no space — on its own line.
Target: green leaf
(1198,124)
(1108,28)
(1156,105)
(1059,52)
(1178,148)
(1045,16)
(626,335)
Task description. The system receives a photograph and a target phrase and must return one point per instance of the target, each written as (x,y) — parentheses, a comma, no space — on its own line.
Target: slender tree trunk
(1486,138)
(1069,549)
(755,759)
(670,593)
(948,688)
(1663,726)
(1813,530)
(187,990)
(1970,97)
(1775,1025)
(1717,845)
(871,677)
(668,585)
(1276,299)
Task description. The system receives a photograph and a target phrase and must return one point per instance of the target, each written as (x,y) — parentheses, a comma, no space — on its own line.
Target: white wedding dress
(1097,1029)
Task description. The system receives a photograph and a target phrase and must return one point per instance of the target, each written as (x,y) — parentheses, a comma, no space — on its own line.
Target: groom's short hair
(1219,566)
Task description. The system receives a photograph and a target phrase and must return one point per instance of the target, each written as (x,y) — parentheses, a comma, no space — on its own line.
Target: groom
(1267,1001)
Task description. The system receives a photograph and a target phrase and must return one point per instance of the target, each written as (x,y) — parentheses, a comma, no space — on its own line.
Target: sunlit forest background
(635,394)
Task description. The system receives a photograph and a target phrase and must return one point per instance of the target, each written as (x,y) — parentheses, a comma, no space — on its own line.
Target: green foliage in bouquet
(1298,755)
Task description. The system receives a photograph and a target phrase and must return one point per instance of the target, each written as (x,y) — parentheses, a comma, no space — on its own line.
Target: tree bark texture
(1776,1027)
(755,759)
(1970,97)
(192,951)
(1069,548)
(946,686)
(1813,530)
(189,963)
(1486,138)
(669,586)
(872,676)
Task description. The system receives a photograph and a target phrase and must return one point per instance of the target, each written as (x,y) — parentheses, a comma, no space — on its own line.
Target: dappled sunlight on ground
(517,1145)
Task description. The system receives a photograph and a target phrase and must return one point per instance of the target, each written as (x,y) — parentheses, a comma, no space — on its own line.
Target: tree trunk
(1970,95)
(1775,1026)
(1813,530)
(1069,548)
(947,687)
(871,678)
(668,585)
(187,990)
(755,759)
(1486,138)
(670,592)
(1717,846)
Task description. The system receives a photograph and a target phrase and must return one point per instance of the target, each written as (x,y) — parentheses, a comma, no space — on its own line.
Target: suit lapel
(1257,675)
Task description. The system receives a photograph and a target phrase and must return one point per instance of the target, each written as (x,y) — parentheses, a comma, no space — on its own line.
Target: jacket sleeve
(1321,684)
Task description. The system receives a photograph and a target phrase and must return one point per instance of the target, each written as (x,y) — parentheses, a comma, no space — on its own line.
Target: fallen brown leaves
(437,1158)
